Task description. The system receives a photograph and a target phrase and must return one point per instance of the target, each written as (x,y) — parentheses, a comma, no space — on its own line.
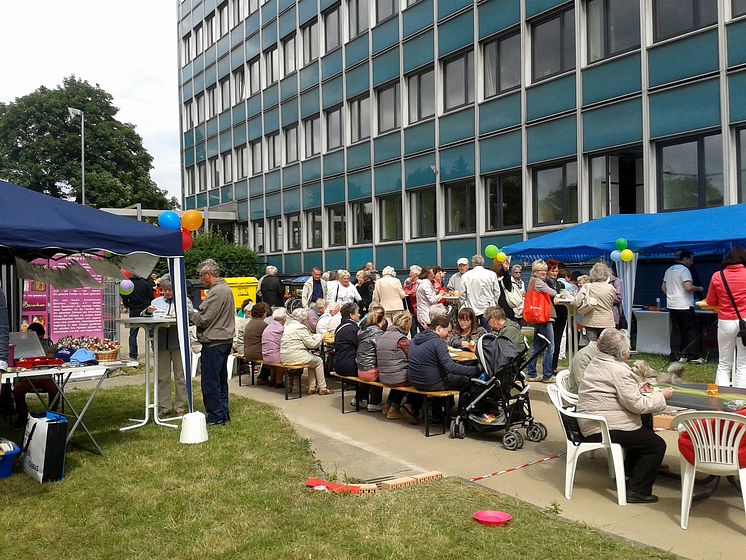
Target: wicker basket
(108,356)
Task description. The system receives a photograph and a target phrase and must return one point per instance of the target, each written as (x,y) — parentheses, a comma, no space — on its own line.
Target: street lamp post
(78,113)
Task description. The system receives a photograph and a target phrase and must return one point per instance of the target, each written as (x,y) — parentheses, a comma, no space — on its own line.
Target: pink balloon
(186,240)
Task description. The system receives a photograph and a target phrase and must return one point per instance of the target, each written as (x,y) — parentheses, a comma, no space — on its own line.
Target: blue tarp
(712,230)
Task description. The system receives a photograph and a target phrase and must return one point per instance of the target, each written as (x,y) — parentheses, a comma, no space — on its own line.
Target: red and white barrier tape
(544,460)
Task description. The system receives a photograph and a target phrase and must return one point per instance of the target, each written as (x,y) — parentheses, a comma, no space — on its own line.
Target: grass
(241,495)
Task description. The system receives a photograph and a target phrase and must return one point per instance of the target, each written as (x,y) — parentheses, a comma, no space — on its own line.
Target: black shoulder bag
(741,323)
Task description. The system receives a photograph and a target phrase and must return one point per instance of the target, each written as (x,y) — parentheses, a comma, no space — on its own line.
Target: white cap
(462,261)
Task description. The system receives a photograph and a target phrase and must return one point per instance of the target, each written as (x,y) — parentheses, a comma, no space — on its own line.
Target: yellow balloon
(627,255)
(501,256)
(191,220)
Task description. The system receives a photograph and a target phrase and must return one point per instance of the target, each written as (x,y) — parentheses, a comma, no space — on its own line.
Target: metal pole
(82,153)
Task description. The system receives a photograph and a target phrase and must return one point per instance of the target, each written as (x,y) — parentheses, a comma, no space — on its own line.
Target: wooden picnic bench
(348,380)
(294,370)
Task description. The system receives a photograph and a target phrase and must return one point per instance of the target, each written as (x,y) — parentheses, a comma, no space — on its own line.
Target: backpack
(537,307)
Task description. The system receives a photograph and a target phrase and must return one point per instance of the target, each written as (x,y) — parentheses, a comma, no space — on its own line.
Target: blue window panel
(358,156)
(550,98)
(224,46)
(324,4)
(457,162)
(420,171)
(254,105)
(311,169)
(253,46)
(309,103)
(199,83)
(419,138)
(309,76)
(202,200)
(237,36)
(501,240)
(226,141)
(269,11)
(448,7)
(186,91)
(334,191)
(306,11)
(418,253)
(191,203)
(289,87)
(256,185)
(272,181)
(199,133)
(252,24)
(452,249)
(291,200)
(612,79)
(255,128)
(239,113)
(500,113)
(269,35)
(237,57)
(239,134)
(357,81)
(456,33)
(186,72)
(242,209)
(334,163)
(551,140)
(199,63)
(287,23)
(312,196)
(736,42)
(358,185)
(457,126)
(290,112)
(211,55)
(212,126)
(496,15)
(213,197)
(386,67)
(612,125)
(275,260)
(417,17)
(500,152)
(331,92)
(273,204)
(293,263)
(212,147)
(312,259)
(188,157)
(242,189)
(291,175)
(224,120)
(387,147)
(388,178)
(256,208)
(391,255)
(188,139)
(331,64)
(356,50)
(684,109)
(211,76)
(226,194)
(385,35)
(271,120)
(736,87)
(270,96)
(359,256)
(336,259)
(200,154)
(683,58)
(283,5)
(534,7)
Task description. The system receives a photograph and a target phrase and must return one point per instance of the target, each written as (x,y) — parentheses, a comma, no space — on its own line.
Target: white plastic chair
(716,438)
(563,381)
(576,446)
(195,362)
(231,365)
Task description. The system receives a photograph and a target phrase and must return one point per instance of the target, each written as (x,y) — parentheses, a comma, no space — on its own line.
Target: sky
(127,47)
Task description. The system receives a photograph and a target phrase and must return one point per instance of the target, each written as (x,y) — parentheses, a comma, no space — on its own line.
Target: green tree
(234,260)
(40,148)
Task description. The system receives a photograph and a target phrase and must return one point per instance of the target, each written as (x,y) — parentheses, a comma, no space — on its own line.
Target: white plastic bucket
(193,428)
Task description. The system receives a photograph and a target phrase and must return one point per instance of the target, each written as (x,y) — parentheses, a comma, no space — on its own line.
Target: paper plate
(492,517)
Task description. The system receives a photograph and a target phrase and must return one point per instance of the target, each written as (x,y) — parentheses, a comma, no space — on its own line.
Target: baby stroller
(501,401)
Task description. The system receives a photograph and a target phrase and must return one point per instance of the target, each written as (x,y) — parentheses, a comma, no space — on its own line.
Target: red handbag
(537,307)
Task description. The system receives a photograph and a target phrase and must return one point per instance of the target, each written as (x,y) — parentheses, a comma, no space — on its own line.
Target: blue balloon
(169,220)
(616,256)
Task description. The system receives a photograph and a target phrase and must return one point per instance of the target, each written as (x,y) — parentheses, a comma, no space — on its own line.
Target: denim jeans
(133,342)
(215,381)
(547,330)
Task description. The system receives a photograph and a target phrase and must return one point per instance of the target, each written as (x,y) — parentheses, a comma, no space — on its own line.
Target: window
(739,7)
(273,151)
(241,163)
(223,19)
(272,65)
(674,17)
(461,207)
(421,88)
(359,118)
(617,184)
(238,13)
(256,157)
(334,128)
(288,49)
(388,108)
(294,232)
(613,27)
(556,194)
(310,42)
(186,49)
(337,225)
(190,181)
(255,84)
(553,45)
(275,234)
(225,94)
(200,102)
(209,30)
(187,116)
(332,30)
(504,202)
(741,162)
(358,12)
(212,102)
(314,228)
(502,64)
(253,6)
(312,131)
(239,85)
(198,39)
(227,167)
(385,9)
(291,144)
(202,177)
(213,173)
(459,81)
(690,173)
(362,222)
(422,212)
(390,217)
(258,232)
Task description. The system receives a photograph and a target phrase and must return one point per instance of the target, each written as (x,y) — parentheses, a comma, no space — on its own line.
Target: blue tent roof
(32,223)
(712,230)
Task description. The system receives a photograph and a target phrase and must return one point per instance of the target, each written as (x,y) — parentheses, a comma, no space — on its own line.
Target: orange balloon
(191,220)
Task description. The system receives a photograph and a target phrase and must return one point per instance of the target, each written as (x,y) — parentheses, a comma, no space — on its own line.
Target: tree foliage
(234,260)
(40,148)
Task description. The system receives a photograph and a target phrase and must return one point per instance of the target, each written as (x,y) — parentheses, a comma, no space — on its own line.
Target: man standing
(137,302)
(273,294)
(314,288)
(481,289)
(215,322)
(680,290)
(455,283)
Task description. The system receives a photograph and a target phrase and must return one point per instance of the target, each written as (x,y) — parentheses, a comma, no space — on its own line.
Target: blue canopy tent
(34,225)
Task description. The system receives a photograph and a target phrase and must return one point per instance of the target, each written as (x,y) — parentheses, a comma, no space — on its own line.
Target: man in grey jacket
(215,322)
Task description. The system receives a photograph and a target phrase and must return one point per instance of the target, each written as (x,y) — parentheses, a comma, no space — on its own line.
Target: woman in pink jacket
(271,338)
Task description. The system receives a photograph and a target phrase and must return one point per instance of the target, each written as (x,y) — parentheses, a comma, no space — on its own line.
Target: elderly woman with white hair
(595,301)
(343,291)
(611,389)
(389,293)
(271,288)
(329,320)
(271,338)
(295,346)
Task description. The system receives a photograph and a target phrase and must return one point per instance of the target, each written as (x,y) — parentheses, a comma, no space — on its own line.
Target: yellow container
(243,288)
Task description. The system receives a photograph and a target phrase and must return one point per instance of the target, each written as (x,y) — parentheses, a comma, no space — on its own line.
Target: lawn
(241,495)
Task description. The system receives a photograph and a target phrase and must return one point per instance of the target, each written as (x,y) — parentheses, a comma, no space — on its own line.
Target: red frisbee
(492,517)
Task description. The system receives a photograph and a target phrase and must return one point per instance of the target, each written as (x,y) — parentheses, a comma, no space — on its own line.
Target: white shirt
(455,283)
(328,323)
(481,289)
(342,294)
(676,296)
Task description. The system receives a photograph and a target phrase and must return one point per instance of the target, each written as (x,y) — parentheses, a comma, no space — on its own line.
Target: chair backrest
(569,422)
(715,436)
(563,381)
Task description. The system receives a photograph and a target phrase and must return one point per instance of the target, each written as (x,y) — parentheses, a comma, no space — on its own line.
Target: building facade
(403,132)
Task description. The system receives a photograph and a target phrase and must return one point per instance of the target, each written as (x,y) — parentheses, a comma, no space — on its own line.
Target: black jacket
(273,293)
(140,298)
(506,285)
(430,363)
(345,348)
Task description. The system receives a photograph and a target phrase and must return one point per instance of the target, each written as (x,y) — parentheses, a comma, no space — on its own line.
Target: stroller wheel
(452,431)
(535,432)
(512,440)
(460,428)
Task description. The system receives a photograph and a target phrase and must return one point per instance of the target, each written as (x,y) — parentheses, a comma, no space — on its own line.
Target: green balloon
(621,244)
(490,251)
